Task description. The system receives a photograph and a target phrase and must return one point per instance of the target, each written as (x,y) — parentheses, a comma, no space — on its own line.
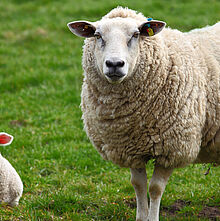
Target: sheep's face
(117,48)
(116,43)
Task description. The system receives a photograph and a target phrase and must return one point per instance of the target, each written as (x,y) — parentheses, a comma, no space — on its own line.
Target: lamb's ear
(82,28)
(151,28)
(5,139)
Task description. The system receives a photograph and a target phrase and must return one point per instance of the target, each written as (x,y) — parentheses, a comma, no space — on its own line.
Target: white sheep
(150,96)
(11,186)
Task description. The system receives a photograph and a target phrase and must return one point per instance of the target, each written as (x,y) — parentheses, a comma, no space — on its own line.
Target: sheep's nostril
(109,63)
(120,63)
(115,63)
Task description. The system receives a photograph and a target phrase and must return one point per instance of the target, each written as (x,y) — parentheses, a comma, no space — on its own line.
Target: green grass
(40,81)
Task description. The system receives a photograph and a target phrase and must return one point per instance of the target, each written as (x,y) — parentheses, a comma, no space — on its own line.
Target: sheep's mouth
(115,77)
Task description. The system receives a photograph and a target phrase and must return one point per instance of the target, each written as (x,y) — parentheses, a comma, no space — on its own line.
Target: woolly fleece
(168,109)
(11,186)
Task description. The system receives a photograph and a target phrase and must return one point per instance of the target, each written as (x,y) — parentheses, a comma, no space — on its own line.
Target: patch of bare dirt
(18,123)
(209,212)
(213,213)
(130,202)
(173,209)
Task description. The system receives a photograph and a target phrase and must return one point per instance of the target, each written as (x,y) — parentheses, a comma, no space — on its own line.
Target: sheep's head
(117,43)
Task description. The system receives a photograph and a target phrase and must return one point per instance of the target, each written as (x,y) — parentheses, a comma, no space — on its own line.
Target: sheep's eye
(100,39)
(135,35)
(98,36)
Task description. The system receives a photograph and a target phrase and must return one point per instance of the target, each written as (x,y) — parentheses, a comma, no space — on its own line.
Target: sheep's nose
(114,64)
(114,69)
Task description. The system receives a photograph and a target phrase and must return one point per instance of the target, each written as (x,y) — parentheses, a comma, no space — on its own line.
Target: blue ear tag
(149,19)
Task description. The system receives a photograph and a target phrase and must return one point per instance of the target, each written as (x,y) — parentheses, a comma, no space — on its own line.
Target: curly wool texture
(11,186)
(168,109)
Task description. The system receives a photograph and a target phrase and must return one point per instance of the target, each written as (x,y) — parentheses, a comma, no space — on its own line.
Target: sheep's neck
(129,97)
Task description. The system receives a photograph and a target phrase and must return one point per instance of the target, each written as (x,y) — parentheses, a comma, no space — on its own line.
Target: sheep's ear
(151,28)
(82,28)
(5,139)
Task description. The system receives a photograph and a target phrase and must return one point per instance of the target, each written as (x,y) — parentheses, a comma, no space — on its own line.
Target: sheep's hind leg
(156,188)
(139,182)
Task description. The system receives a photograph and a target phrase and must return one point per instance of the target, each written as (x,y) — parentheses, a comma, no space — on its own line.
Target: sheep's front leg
(139,182)
(156,188)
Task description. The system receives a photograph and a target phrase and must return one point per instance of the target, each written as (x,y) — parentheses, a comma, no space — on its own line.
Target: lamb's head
(117,43)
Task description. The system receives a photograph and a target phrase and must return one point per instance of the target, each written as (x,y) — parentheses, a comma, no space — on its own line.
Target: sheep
(150,92)
(11,186)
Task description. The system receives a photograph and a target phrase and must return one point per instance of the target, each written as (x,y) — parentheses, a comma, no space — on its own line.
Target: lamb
(11,186)
(150,92)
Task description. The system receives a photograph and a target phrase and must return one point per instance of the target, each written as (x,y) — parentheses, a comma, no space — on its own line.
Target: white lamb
(11,186)
(150,96)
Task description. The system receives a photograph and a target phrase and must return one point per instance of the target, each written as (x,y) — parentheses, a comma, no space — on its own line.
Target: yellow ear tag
(86,27)
(150,31)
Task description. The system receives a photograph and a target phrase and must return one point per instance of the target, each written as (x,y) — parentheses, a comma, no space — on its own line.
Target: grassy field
(40,81)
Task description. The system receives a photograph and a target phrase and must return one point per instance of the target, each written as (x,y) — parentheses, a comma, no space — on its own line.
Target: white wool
(11,186)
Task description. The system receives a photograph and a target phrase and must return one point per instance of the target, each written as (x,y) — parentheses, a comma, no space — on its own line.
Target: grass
(40,81)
